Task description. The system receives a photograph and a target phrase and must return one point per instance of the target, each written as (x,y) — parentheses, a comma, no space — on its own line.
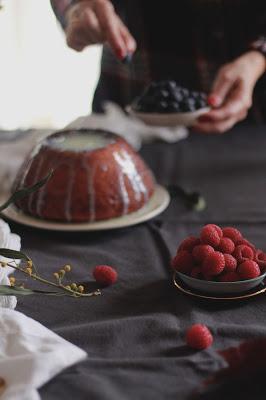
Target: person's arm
(232,90)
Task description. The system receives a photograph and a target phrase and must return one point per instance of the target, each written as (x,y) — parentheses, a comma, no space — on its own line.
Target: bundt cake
(96,176)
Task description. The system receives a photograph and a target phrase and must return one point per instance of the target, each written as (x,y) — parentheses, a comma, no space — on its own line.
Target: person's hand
(231,94)
(95,21)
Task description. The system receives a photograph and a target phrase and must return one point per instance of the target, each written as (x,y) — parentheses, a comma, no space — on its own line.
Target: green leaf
(15,255)
(13,291)
(19,194)
(16,291)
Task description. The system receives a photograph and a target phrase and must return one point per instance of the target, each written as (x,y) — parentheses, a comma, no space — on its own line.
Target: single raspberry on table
(183,262)
(201,251)
(248,270)
(195,272)
(213,264)
(226,245)
(210,235)
(230,263)
(243,253)
(229,277)
(105,275)
(232,233)
(199,337)
(189,243)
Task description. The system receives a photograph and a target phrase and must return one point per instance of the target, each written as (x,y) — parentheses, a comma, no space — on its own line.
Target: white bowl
(168,119)
(221,287)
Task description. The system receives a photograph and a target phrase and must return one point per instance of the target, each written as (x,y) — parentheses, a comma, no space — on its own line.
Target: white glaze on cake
(91,194)
(78,142)
(128,168)
(69,192)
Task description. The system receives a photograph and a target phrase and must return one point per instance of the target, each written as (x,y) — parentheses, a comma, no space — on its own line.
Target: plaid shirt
(188,45)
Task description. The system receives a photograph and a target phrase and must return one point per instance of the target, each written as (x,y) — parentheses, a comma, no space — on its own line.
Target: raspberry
(183,262)
(213,264)
(189,243)
(201,251)
(248,269)
(195,273)
(226,245)
(217,228)
(243,253)
(209,235)
(199,337)
(232,233)
(230,263)
(260,258)
(105,275)
(246,243)
(229,277)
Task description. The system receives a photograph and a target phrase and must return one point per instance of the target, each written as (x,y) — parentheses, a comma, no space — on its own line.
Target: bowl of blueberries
(164,103)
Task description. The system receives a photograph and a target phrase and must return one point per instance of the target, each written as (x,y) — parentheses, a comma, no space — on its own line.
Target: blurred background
(43,83)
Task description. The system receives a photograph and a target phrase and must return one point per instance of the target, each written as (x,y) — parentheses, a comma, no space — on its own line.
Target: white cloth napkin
(11,241)
(31,355)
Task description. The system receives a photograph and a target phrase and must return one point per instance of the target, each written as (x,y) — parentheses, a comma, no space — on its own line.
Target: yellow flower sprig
(28,269)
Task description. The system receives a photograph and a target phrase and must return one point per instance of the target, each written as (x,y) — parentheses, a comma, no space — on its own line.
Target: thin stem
(60,286)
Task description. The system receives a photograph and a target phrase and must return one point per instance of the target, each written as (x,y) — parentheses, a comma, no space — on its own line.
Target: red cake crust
(87,185)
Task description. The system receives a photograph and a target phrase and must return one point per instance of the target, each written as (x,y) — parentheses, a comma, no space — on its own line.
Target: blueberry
(178,96)
(162,106)
(191,104)
(188,105)
(184,92)
(164,93)
(194,95)
(170,86)
(200,103)
(173,106)
(203,95)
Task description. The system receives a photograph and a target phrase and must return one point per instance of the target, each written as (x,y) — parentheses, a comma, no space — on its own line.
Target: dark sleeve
(257,26)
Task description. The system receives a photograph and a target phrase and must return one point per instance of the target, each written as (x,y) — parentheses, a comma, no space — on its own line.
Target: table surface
(134,332)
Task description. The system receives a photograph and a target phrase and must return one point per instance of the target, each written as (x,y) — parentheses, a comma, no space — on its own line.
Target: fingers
(84,30)
(129,40)
(234,109)
(97,22)
(117,35)
(222,85)
(219,127)
(239,99)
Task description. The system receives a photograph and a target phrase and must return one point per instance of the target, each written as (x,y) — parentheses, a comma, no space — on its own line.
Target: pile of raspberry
(219,254)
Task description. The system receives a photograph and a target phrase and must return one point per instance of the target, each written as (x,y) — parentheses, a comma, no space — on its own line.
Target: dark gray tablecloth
(134,332)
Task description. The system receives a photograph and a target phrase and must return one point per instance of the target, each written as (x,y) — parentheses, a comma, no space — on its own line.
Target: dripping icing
(128,169)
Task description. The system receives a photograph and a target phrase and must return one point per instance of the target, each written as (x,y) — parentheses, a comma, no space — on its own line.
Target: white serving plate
(168,119)
(156,205)
(221,287)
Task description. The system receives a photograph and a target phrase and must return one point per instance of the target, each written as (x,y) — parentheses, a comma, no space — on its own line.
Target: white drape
(42,82)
